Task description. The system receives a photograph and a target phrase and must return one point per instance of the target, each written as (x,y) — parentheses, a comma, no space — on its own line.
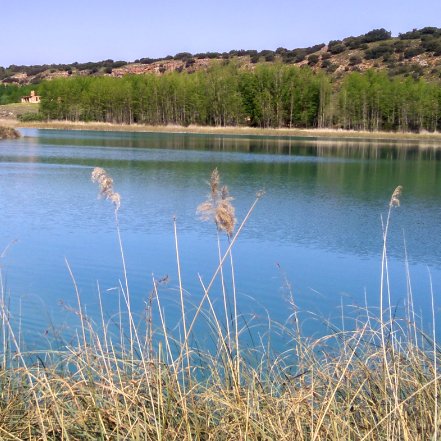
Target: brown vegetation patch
(8,133)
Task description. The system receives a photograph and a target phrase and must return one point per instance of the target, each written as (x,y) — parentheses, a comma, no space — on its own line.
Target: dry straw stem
(352,385)
(207,289)
(342,394)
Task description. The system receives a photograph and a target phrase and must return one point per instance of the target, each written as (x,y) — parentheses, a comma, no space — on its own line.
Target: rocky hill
(416,53)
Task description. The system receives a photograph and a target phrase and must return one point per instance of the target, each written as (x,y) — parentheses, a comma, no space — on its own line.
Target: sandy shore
(246,131)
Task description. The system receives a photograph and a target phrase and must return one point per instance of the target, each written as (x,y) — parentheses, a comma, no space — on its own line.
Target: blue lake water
(318,225)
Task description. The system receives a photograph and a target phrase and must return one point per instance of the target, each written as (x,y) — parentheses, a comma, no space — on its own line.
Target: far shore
(246,131)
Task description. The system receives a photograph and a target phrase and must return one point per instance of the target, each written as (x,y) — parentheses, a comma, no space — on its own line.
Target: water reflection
(323,193)
(356,148)
(320,218)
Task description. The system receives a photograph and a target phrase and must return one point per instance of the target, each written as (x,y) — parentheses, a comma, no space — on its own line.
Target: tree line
(273,95)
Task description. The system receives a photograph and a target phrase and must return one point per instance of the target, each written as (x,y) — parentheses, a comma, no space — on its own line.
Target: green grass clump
(14,110)
(30,117)
(377,381)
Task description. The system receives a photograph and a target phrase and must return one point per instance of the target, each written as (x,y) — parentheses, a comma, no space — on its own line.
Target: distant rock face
(160,67)
(8,133)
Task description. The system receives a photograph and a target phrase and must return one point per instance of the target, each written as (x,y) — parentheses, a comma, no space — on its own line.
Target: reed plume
(395,199)
(105,183)
(225,216)
(218,206)
(214,183)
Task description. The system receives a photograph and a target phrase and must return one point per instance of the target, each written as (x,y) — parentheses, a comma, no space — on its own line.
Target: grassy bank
(14,110)
(246,131)
(378,380)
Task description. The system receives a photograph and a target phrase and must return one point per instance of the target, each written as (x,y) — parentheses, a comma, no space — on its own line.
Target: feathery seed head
(225,194)
(105,183)
(214,183)
(224,216)
(97,173)
(115,198)
(205,210)
(218,206)
(395,199)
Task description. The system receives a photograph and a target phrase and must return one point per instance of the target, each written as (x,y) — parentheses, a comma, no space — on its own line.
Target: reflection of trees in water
(323,193)
(331,147)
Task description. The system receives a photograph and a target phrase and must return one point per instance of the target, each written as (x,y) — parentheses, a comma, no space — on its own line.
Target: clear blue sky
(57,31)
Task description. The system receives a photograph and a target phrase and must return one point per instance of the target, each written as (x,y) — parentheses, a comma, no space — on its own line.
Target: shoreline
(234,131)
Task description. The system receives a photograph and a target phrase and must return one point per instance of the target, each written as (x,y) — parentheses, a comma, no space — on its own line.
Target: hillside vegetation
(371,82)
(416,53)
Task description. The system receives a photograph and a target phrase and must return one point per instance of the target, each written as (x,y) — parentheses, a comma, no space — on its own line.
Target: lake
(318,226)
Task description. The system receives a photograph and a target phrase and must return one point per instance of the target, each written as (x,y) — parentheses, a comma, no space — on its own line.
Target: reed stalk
(354,383)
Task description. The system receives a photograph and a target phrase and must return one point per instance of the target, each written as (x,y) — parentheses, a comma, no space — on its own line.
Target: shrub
(354,60)
(411,35)
(31,116)
(281,50)
(413,52)
(147,60)
(182,56)
(315,48)
(399,46)
(270,57)
(332,68)
(254,59)
(432,45)
(313,59)
(378,51)
(326,63)
(376,35)
(119,64)
(336,47)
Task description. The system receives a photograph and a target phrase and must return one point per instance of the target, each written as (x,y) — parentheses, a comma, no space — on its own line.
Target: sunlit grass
(325,133)
(15,109)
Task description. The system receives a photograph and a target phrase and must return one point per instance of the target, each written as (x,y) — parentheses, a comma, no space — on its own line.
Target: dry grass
(378,381)
(8,133)
(308,133)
